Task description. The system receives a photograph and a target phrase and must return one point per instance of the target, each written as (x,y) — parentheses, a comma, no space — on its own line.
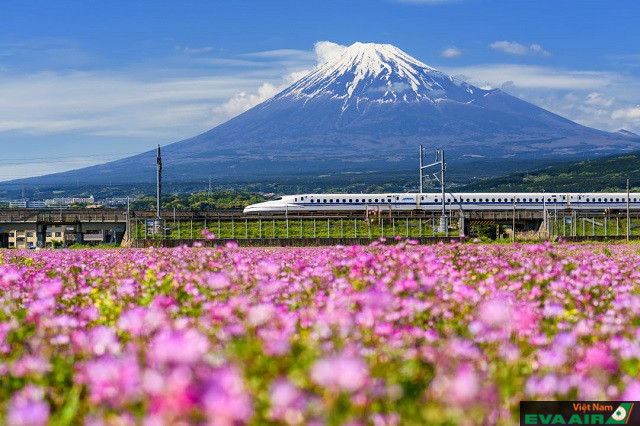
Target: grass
(359,228)
(299,228)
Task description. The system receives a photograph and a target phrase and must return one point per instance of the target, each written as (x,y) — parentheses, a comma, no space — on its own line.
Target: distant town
(66,202)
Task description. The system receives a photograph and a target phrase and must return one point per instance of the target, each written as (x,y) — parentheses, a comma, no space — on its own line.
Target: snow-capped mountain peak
(378,73)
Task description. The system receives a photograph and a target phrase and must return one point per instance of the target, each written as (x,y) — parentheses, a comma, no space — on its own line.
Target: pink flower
(287,402)
(495,313)
(269,267)
(208,235)
(99,340)
(598,357)
(464,387)
(50,288)
(178,347)
(27,407)
(171,393)
(225,399)
(141,321)
(631,392)
(110,380)
(29,365)
(218,281)
(261,314)
(340,373)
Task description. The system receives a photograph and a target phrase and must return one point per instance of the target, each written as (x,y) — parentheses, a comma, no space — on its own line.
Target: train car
(452,201)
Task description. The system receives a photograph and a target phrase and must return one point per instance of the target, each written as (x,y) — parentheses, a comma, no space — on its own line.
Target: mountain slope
(601,174)
(367,109)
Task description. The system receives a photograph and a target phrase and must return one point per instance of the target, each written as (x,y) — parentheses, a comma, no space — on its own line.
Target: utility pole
(544,214)
(439,161)
(628,213)
(129,222)
(158,181)
(421,169)
(513,226)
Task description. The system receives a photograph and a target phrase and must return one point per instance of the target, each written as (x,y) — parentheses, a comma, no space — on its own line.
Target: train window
(599,199)
(617,199)
(474,200)
(376,200)
(536,200)
(436,200)
(351,200)
(448,200)
(518,199)
(499,200)
(493,200)
(295,199)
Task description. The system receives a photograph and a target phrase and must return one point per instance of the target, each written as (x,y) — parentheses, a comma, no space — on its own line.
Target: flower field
(381,335)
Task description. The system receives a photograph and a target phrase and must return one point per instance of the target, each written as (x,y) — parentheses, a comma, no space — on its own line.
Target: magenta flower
(177,347)
(287,402)
(218,281)
(171,393)
(340,373)
(225,399)
(114,381)
(464,386)
(27,408)
(495,313)
(208,235)
(632,391)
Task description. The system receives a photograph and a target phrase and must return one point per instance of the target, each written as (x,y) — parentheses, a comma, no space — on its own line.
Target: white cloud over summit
(327,50)
(242,101)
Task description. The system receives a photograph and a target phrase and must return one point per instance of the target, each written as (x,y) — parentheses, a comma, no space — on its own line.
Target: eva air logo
(621,415)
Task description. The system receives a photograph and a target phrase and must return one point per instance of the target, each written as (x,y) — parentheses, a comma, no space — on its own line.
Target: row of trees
(217,200)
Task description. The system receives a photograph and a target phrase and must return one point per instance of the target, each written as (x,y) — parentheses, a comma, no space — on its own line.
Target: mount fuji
(366,109)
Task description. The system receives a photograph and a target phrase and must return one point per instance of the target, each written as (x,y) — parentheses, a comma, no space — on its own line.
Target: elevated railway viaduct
(140,227)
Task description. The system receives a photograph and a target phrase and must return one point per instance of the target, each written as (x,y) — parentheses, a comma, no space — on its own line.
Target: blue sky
(82,82)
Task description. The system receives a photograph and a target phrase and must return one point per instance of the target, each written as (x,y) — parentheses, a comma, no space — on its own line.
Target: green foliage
(218,200)
(598,175)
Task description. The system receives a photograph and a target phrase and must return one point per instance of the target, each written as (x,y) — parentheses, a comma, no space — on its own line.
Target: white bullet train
(453,201)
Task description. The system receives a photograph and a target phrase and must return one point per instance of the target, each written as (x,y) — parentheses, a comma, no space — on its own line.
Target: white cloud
(243,101)
(323,51)
(451,52)
(514,48)
(117,105)
(529,76)
(281,53)
(632,114)
(597,99)
(536,48)
(327,50)
(193,50)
